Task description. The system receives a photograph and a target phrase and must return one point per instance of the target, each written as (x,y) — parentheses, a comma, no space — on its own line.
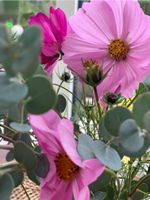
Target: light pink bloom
(54,30)
(115,34)
(68,174)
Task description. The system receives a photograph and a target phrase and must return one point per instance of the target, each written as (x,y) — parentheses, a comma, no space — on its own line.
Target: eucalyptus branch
(8,128)
(7,138)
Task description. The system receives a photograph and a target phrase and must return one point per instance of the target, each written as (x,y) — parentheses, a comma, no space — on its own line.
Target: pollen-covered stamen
(118,49)
(65,168)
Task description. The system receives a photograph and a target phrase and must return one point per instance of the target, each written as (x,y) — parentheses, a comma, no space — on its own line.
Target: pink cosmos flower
(54,30)
(68,174)
(115,34)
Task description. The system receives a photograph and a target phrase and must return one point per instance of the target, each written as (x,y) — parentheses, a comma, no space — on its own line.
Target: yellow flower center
(118,49)
(65,168)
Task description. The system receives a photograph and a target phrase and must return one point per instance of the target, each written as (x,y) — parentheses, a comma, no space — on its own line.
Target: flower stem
(59,86)
(97,102)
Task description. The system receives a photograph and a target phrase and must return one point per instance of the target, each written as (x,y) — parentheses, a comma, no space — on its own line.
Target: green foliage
(42,166)
(25,155)
(132,139)
(20,127)
(104,153)
(6,186)
(11,90)
(141,106)
(101,183)
(17,176)
(99,196)
(22,56)
(114,118)
(41,95)
(61,104)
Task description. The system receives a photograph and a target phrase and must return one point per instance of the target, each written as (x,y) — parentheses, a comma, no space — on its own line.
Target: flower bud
(111,98)
(65,76)
(93,72)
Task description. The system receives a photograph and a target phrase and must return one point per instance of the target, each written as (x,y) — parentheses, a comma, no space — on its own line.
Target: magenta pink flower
(54,30)
(115,34)
(69,175)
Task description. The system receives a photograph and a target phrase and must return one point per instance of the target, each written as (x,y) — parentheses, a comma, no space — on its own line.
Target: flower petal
(46,121)
(91,170)
(61,191)
(44,127)
(67,140)
(42,21)
(80,192)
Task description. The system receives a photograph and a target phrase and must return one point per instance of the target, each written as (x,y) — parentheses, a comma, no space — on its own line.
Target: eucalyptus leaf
(61,103)
(103,131)
(114,118)
(17,176)
(11,91)
(32,176)
(146,121)
(107,155)
(10,155)
(28,49)
(42,166)
(23,128)
(6,186)
(133,140)
(41,94)
(85,147)
(141,107)
(25,155)
(89,149)
(26,138)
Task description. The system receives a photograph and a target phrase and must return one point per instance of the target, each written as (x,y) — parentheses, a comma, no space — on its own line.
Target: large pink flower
(69,175)
(116,34)
(54,30)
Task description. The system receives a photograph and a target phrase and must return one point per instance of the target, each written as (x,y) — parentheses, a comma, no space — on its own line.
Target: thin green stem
(70,93)
(22,112)
(59,86)
(97,102)
(8,128)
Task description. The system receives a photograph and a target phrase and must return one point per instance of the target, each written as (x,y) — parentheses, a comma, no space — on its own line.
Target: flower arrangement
(101,153)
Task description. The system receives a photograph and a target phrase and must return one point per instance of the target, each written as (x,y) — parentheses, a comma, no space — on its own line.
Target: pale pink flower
(54,30)
(116,34)
(68,175)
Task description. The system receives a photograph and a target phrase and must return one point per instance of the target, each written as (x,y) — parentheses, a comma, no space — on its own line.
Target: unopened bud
(65,76)
(111,98)
(94,73)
